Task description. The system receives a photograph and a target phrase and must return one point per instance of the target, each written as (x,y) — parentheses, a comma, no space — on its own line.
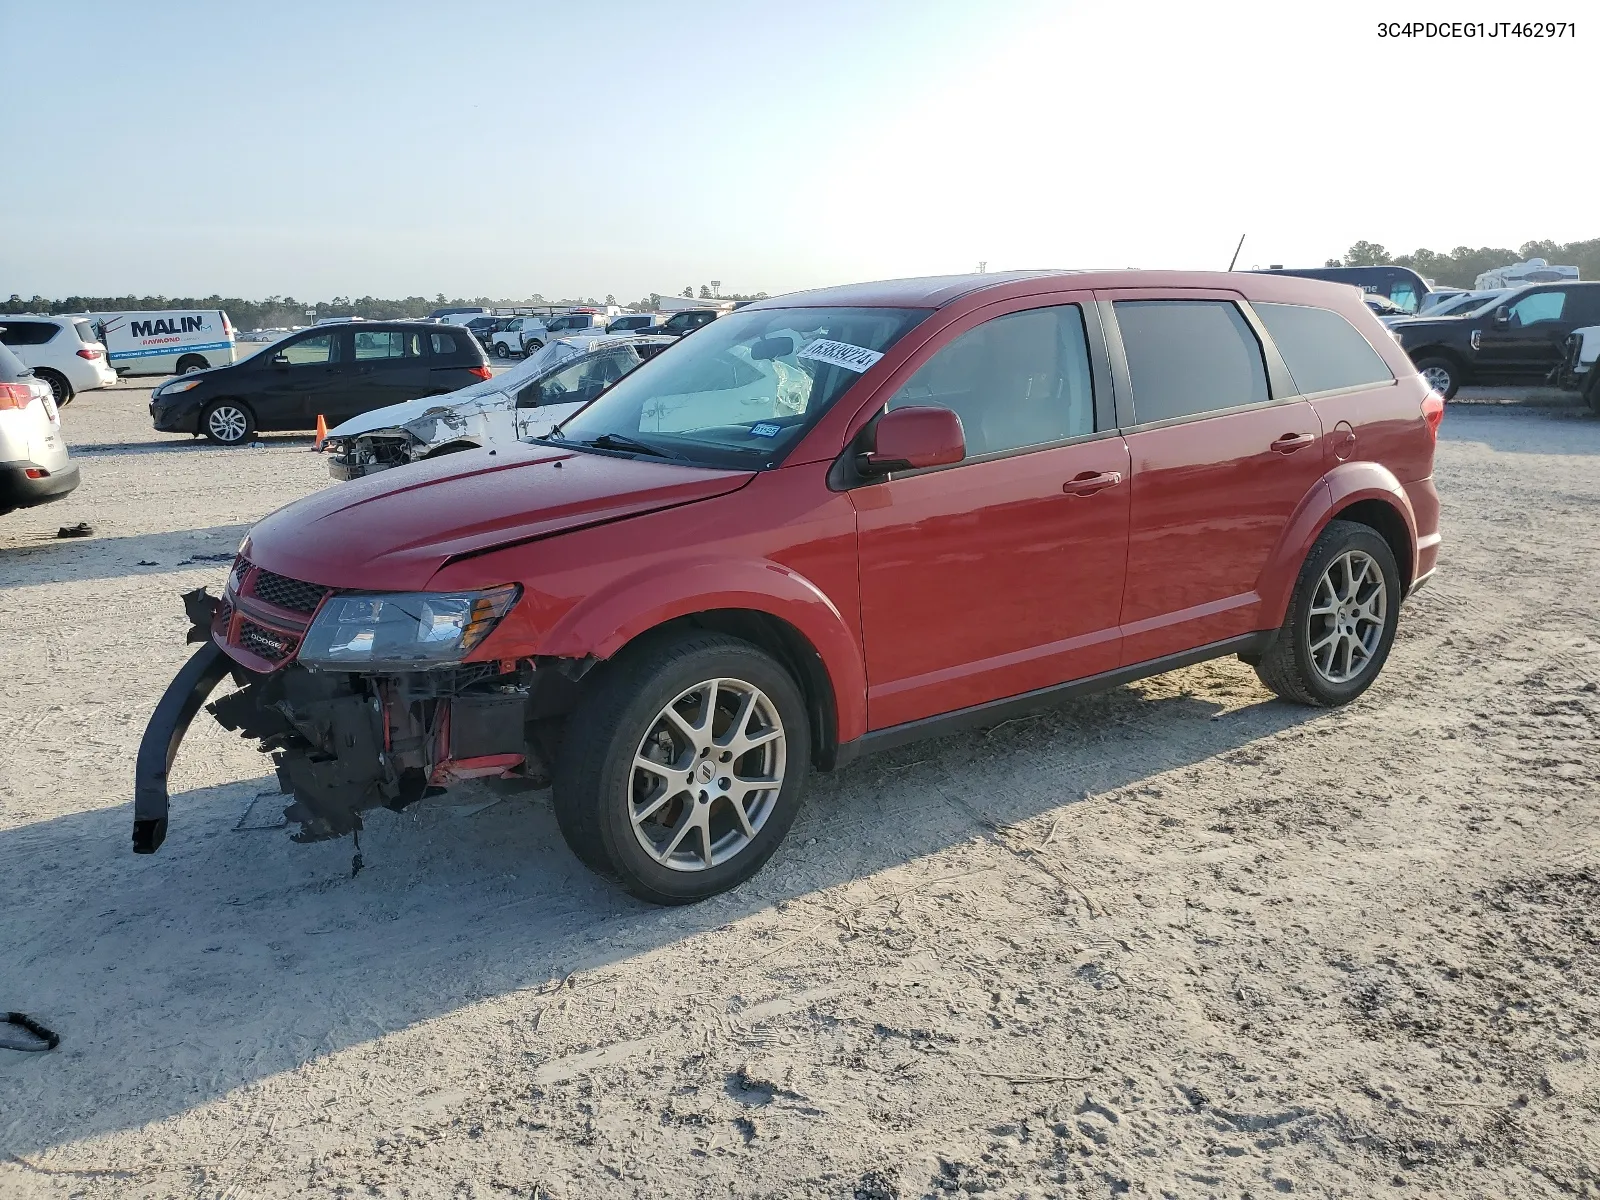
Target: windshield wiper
(617,441)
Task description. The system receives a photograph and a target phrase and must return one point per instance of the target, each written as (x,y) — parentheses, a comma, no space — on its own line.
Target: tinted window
(1540,306)
(26,333)
(311,350)
(1189,357)
(386,343)
(1018,380)
(1321,349)
(443,343)
(1583,305)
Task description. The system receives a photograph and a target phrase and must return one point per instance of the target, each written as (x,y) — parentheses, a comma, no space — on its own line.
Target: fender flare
(604,623)
(1346,484)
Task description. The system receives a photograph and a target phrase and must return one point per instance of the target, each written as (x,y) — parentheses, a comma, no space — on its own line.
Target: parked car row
(64,352)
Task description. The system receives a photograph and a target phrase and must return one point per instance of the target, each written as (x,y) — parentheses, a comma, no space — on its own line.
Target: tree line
(1462,266)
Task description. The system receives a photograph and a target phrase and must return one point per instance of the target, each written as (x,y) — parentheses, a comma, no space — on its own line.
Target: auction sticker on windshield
(841,354)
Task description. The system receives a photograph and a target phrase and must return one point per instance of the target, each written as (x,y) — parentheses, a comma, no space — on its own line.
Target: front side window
(1015,381)
(1540,306)
(1404,295)
(582,381)
(1322,350)
(1189,357)
(745,389)
(311,351)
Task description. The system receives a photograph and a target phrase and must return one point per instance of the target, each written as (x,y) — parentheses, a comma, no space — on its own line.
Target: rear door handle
(1090,482)
(1290,442)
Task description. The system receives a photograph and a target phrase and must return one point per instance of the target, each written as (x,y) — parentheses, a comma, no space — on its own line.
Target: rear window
(26,333)
(1189,357)
(1322,350)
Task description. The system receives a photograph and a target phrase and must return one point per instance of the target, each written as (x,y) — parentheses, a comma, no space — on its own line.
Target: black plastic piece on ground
(200,606)
(162,736)
(81,529)
(50,1039)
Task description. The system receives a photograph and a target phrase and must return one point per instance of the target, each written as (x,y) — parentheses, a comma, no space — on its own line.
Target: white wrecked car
(529,400)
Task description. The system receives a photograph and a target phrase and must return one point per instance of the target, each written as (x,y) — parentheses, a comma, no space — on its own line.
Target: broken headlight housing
(413,630)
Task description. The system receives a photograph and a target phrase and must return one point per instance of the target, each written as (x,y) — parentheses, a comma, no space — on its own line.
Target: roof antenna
(1236,250)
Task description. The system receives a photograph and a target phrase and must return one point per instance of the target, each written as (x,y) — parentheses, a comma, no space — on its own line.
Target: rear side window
(1322,350)
(1189,357)
(387,343)
(87,333)
(443,343)
(1015,381)
(26,333)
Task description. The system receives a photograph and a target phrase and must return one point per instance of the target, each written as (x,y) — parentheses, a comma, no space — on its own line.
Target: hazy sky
(395,148)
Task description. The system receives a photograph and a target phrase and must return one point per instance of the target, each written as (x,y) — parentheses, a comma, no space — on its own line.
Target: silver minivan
(34,468)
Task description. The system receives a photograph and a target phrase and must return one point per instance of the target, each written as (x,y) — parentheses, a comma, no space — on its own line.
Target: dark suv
(1518,342)
(330,371)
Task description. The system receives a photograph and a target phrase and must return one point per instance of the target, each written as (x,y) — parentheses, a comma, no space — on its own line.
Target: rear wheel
(1341,620)
(1592,392)
(59,387)
(683,766)
(228,422)
(530,346)
(1443,375)
(190,363)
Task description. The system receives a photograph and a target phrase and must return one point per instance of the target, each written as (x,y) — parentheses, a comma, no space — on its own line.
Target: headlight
(176,386)
(407,629)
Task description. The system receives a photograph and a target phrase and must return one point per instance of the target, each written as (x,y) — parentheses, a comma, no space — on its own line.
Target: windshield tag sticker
(765,430)
(841,354)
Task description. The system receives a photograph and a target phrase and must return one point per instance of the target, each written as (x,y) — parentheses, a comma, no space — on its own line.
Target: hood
(392,531)
(478,398)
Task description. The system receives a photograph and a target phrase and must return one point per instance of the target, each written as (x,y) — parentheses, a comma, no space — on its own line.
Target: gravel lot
(1179,940)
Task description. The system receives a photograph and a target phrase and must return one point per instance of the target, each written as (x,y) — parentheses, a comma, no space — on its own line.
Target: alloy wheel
(707,774)
(227,423)
(1348,612)
(1437,378)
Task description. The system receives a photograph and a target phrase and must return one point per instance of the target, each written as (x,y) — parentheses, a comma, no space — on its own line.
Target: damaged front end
(362,700)
(365,454)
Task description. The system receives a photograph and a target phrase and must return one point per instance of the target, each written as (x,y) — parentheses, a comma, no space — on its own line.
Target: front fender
(1346,484)
(605,622)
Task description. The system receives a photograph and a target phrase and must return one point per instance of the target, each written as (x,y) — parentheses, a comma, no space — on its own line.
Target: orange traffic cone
(322,433)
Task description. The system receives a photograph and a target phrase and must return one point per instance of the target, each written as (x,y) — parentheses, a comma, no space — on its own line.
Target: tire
(190,363)
(1591,394)
(1293,665)
(228,422)
(598,787)
(59,387)
(501,350)
(529,347)
(1445,377)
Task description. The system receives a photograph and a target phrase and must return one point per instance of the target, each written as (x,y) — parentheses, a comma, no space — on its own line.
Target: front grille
(283,592)
(265,643)
(224,616)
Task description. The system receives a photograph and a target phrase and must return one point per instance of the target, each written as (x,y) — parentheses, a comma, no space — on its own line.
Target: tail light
(482,372)
(1433,411)
(15,395)
(91,352)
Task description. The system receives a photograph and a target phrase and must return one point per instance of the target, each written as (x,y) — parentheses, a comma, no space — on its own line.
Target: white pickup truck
(524,335)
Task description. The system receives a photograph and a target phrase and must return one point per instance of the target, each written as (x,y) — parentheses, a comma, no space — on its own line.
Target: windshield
(745,388)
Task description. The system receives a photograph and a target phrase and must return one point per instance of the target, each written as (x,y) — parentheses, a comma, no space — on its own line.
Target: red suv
(831,523)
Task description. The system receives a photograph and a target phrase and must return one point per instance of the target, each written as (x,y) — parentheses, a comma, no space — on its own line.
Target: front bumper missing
(344,742)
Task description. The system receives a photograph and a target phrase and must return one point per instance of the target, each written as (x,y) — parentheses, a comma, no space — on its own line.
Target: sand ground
(1179,940)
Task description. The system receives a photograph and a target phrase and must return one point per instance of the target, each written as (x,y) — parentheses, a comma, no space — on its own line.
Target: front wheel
(1341,620)
(227,422)
(683,766)
(1442,375)
(501,350)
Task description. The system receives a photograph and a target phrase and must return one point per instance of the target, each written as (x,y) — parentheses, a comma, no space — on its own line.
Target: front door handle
(1090,482)
(1290,442)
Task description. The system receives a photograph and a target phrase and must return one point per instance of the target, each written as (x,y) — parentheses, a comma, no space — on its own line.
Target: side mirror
(909,439)
(1502,315)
